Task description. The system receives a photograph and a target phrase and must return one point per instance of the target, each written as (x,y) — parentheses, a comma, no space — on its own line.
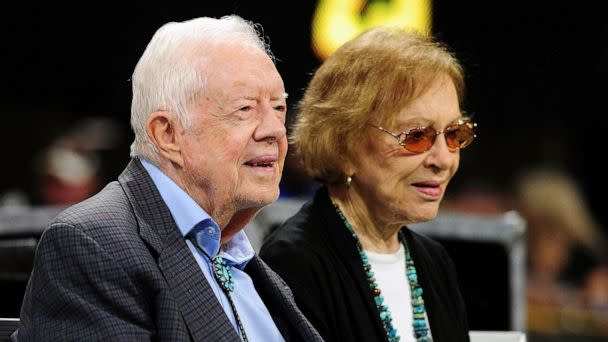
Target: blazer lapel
(280,302)
(199,307)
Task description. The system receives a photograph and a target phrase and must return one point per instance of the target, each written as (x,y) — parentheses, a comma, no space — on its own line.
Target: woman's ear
(348,167)
(163,129)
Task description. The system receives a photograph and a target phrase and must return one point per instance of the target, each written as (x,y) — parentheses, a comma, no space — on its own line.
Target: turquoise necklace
(421,331)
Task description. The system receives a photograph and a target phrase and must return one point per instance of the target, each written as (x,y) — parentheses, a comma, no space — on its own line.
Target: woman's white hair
(169,76)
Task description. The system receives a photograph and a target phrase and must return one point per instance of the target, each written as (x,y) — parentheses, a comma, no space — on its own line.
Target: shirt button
(210,231)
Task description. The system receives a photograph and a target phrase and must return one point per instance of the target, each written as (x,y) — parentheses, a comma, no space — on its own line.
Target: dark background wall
(536,76)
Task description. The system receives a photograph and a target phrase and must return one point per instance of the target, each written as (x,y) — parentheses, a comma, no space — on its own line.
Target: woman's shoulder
(298,232)
(302,231)
(423,240)
(296,252)
(427,248)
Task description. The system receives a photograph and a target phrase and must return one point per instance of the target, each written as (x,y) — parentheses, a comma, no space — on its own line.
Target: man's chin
(262,197)
(265,200)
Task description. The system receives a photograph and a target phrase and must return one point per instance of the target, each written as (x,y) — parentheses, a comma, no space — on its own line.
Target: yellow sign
(337,21)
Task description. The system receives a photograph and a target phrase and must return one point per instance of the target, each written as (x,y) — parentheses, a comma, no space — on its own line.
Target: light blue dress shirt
(191,219)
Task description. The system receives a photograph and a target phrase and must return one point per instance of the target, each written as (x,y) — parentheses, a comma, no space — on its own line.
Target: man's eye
(280,108)
(246,109)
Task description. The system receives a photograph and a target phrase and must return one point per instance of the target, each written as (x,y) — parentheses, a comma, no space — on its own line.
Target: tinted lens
(459,136)
(419,139)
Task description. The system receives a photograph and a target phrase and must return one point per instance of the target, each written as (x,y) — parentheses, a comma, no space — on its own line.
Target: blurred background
(536,75)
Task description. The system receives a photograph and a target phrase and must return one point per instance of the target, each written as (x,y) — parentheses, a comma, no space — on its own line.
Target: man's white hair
(169,76)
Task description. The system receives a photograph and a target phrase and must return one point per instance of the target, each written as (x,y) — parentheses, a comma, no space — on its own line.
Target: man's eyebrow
(283,96)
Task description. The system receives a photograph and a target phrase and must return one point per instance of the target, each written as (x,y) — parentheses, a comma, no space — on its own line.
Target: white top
(389,271)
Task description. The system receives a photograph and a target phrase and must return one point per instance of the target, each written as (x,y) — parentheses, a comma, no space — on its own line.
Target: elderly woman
(381,127)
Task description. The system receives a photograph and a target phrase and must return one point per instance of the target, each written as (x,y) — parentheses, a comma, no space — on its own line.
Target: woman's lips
(431,188)
(431,191)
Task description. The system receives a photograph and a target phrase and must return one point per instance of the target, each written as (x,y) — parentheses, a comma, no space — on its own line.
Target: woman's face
(400,187)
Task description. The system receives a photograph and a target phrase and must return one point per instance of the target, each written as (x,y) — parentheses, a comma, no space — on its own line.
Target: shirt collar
(192,220)
(238,251)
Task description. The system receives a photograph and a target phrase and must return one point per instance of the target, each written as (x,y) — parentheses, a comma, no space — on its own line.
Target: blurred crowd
(567,254)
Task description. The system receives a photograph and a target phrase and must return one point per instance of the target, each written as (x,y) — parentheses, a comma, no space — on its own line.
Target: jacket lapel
(199,307)
(344,245)
(432,302)
(279,300)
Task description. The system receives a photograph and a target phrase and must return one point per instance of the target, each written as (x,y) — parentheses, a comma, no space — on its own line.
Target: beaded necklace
(419,322)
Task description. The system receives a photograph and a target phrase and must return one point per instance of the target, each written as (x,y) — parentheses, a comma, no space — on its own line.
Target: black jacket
(315,254)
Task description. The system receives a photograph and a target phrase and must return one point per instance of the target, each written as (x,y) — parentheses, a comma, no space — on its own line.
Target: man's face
(235,148)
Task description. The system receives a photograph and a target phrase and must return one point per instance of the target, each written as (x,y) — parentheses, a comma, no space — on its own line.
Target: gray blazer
(116,268)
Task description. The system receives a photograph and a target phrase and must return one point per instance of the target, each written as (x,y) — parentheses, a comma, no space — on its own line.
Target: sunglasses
(457,136)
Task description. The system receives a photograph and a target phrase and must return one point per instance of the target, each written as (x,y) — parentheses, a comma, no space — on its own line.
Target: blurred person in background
(567,253)
(160,254)
(73,166)
(380,125)
(67,176)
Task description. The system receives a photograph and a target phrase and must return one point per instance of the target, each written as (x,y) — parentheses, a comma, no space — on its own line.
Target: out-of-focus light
(337,21)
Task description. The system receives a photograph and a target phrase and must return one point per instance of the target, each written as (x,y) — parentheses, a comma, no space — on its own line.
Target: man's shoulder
(108,207)
(107,218)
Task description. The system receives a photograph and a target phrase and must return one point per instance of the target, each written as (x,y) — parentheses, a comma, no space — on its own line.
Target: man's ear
(163,129)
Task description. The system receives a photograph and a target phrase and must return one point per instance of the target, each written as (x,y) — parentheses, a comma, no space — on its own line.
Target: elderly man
(160,254)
